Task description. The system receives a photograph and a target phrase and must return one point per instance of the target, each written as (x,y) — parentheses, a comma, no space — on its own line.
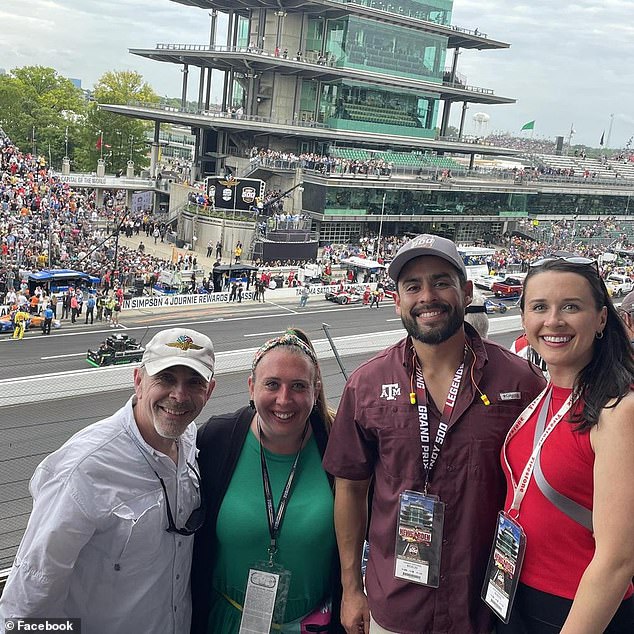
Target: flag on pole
(529,126)
(602,138)
(99,141)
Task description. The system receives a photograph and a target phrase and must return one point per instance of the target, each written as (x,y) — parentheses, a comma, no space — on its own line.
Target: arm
(351,516)
(58,529)
(606,578)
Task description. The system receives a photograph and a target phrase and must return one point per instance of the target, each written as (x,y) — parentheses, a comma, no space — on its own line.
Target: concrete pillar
(208,90)
(201,88)
(154,150)
(471,161)
(465,107)
(129,172)
(212,28)
(128,198)
(184,93)
(66,166)
(101,168)
(154,153)
(99,196)
(446,111)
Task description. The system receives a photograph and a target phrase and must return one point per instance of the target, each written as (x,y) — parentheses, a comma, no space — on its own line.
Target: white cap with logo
(180,346)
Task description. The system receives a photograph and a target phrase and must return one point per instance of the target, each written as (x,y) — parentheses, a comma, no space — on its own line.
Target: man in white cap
(110,537)
(424,421)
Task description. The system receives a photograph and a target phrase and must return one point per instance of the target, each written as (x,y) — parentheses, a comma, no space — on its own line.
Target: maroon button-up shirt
(376,432)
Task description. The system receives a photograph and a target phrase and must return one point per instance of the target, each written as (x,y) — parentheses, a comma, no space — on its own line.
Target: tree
(40,109)
(123,137)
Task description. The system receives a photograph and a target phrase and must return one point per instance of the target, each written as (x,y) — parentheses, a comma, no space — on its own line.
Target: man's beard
(433,335)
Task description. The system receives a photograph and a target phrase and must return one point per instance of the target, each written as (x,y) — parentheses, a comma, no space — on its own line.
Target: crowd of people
(320,162)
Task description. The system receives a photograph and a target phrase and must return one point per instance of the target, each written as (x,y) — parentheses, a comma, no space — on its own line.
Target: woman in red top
(579,563)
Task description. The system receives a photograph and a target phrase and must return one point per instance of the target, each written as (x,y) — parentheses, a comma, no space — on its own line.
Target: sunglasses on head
(573,259)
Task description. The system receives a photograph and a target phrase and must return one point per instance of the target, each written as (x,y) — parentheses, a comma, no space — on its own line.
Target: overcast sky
(570,61)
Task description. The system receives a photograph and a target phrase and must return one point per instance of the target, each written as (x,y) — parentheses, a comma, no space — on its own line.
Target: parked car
(33,323)
(510,286)
(486,282)
(619,285)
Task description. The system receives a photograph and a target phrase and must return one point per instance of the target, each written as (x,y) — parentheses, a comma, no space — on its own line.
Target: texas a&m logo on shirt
(390,391)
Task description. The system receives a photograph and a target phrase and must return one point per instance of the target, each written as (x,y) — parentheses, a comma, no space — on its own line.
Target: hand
(355,614)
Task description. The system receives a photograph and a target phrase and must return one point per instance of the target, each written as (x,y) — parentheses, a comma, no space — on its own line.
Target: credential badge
(390,391)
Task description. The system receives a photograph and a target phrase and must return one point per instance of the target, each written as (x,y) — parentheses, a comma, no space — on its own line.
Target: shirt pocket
(398,440)
(141,523)
(488,437)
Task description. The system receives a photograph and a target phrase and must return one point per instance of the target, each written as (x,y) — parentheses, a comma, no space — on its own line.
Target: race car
(34,322)
(494,307)
(346,296)
(116,350)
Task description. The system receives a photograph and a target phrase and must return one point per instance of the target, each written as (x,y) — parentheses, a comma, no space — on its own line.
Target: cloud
(569,60)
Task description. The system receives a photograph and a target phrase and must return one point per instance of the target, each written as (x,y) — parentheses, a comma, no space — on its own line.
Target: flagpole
(101,144)
(607,141)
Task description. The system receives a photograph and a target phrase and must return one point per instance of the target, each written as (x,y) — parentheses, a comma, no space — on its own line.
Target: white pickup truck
(619,285)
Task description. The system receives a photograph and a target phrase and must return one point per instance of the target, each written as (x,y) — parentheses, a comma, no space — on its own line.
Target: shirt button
(445,541)
(178,577)
(395,409)
(174,608)
(180,543)
(450,467)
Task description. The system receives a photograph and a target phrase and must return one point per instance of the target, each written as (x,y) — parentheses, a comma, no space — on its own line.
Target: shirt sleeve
(351,451)
(58,528)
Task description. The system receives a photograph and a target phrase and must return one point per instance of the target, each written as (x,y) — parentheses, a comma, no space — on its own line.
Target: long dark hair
(610,373)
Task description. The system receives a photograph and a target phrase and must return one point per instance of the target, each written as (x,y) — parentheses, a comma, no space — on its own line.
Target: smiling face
(284,389)
(561,320)
(168,401)
(431,299)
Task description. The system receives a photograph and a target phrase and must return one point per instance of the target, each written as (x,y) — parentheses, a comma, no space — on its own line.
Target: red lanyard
(520,488)
(431,452)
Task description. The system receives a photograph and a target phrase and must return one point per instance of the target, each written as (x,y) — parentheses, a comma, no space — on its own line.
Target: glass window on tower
(437,11)
(384,48)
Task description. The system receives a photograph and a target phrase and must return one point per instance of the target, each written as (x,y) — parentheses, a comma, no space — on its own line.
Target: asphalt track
(30,431)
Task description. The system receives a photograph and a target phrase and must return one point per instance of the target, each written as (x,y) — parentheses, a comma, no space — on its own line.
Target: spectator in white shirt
(110,536)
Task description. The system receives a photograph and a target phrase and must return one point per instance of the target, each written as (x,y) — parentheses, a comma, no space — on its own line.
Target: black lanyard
(431,452)
(275,519)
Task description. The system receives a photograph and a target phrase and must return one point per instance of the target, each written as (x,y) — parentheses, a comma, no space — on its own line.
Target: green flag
(529,126)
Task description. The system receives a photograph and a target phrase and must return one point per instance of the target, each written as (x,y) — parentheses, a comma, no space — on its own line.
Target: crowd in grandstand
(45,223)
(319,162)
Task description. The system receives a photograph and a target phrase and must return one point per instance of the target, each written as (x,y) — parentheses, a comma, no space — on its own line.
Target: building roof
(458,37)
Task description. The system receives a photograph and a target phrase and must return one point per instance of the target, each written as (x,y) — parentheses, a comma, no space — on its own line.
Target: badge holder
(265,598)
(504,567)
(419,538)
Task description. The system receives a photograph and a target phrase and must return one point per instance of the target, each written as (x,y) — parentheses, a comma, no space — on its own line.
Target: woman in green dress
(269,502)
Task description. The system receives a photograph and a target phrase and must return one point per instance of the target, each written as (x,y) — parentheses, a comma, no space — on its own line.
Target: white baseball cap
(180,346)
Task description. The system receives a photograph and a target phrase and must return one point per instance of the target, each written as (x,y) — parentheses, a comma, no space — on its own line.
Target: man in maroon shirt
(392,427)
